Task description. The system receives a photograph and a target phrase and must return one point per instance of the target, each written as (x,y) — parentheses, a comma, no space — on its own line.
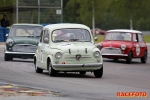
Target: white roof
(124,30)
(28,24)
(66,25)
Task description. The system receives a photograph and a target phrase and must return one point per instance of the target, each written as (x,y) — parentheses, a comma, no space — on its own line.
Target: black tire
(129,58)
(115,59)
(37,69)
(82,72)
(144,58)
(6,57)
(10,58)
(99,73)
(51,71)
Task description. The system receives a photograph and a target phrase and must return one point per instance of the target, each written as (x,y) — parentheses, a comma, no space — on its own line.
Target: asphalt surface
(118,77)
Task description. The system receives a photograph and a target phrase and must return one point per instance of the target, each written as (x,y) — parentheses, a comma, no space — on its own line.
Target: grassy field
(146,38)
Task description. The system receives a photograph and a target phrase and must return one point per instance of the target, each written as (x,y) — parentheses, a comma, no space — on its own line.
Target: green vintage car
(22,41)
(68,48)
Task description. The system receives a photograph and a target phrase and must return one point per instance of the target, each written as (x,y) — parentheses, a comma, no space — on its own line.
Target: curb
(7,90)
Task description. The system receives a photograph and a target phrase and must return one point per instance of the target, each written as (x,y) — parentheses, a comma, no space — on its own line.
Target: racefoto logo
(132,94)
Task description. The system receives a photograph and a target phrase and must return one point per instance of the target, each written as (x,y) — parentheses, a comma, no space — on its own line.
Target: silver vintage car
(68,48)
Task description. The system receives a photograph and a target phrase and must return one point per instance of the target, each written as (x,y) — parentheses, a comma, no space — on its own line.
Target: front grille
(69,57)
(111,51)
(24,48)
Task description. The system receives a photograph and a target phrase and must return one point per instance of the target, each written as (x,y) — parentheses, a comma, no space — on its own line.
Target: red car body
(98,31)
(124,44)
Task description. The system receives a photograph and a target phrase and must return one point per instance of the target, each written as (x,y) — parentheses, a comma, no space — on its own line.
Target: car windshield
(25,30)
(118,36)
(71,35)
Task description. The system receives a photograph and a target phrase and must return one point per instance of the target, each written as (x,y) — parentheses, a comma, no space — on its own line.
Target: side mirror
(95,38)
(135,40)
(46,40)
(6,35)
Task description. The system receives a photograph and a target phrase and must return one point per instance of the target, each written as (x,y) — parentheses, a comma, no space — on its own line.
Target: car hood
(25,40)
(75,47)
(115,44)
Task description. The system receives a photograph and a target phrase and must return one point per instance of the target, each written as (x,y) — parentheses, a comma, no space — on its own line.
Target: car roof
(28,24)
(124,30)
(66,25)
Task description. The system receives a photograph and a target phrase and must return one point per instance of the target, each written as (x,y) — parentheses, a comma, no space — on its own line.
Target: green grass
(100,38)
(147,38)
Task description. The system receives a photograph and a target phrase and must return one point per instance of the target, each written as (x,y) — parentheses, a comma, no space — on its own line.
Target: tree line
(109,14)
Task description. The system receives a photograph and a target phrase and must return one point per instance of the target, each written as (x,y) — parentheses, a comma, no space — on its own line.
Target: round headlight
(96,54)
(123,47)
(9,42)
(58,55)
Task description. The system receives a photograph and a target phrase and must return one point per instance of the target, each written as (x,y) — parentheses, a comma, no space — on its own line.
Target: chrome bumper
(77,65)
(28,53)
(108,54)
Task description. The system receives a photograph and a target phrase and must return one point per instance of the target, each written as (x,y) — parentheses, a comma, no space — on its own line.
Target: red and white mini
(124,44)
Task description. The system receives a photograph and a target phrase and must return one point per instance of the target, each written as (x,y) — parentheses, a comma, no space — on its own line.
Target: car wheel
(38,70)
(115,59)
(82,72)
(144,58)
(129,58)
(51,71)
(99,73)
(10,58)
(6,57)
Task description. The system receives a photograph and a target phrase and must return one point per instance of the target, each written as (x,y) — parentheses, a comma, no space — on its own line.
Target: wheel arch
(34,60)
(48,60)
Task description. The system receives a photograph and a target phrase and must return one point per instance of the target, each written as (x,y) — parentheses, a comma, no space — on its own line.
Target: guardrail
(146,32)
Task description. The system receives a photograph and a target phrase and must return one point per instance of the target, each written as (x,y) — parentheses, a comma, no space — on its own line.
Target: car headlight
(123,47)
(9,42)
(58,55)
(96,54)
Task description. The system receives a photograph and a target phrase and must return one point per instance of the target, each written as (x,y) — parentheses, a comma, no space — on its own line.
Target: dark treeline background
(109,14)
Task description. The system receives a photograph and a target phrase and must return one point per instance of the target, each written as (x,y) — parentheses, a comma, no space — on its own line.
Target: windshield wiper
(73,39)
(59,40)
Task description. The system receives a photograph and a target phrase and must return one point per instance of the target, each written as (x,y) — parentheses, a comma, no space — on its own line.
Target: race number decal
(137,50)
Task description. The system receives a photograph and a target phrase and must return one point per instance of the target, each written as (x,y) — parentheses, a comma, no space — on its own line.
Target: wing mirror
(46,40)
(135,40)
(6,35)
(95,38)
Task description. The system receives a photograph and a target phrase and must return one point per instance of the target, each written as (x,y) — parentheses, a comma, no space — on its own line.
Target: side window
(141,39)
(41,36)
(135,38)
(46,36)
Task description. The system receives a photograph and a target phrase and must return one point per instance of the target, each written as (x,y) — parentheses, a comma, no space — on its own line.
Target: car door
(141,44)
(136,46)
(45,48)
(40,50)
